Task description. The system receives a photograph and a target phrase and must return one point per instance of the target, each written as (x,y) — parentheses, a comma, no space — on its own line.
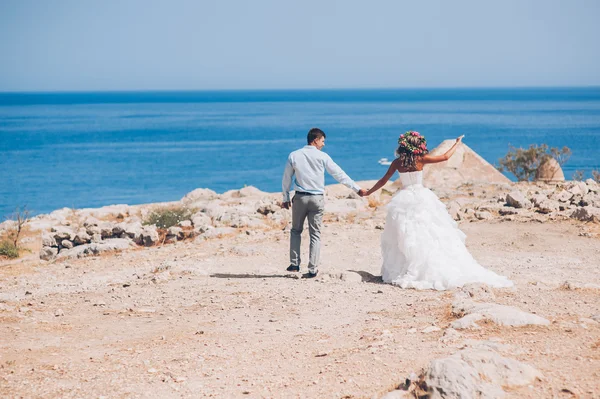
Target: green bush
(168,217)
(525,163)
(8,249)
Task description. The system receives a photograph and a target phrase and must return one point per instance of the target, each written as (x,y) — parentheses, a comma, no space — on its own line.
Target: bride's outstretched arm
(441,158)
(384,179)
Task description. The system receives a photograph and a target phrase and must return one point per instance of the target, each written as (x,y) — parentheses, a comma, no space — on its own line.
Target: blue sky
(274,44)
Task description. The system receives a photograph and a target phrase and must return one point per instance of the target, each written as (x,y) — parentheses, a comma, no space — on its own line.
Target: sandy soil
(223,319)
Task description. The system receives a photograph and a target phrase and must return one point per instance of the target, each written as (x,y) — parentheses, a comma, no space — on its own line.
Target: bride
(421,244)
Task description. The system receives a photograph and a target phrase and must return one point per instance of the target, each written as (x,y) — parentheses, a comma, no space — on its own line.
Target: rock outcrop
(550,171)
(465,166)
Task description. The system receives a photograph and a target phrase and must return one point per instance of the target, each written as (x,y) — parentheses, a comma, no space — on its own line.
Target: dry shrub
(525,163)
(9,246)
(167,217)
(374,202)
(8,249)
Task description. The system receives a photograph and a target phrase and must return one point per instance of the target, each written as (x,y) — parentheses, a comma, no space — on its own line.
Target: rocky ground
(212,312)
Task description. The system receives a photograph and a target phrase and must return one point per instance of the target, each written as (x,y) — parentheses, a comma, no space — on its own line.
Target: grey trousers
(303,206)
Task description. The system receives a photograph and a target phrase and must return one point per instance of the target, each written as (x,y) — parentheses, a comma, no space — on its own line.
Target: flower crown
(419,149)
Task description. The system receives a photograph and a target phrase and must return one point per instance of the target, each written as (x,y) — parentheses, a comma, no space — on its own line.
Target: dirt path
(223,319)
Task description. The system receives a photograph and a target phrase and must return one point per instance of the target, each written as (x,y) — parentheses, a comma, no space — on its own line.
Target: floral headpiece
(419,149)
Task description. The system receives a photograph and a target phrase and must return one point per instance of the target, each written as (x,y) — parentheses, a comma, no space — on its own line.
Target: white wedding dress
(422,246)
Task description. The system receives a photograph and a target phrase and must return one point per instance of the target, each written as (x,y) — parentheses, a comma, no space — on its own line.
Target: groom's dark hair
(314,133)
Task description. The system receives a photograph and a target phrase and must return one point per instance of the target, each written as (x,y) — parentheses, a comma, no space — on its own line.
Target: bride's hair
(411,146)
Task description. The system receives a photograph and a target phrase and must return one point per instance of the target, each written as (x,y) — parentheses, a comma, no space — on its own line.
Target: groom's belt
(305,193)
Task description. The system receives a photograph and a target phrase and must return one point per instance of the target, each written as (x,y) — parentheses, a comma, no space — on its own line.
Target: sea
(90,149)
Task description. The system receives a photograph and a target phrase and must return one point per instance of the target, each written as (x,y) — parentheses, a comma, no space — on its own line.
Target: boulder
(176,232)
(48,240)
(148,237)
(133,230)
(66,244)
(499,314)
(476,373)
(577,188)
(516,199)
(587,214)
(549,171)
(114,244)
(201,222)
(562,196)
(548,206)
(199,194)
(106,229)
(48,253)
(62,233)
(82,237)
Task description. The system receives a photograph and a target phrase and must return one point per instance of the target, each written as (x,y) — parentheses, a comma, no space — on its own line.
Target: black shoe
(312,275)
(292,268)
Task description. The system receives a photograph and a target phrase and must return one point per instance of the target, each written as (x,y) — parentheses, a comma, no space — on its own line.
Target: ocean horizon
(91,149)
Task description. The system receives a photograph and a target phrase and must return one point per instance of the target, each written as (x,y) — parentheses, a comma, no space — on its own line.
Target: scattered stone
(499,314)
(483,215)
(467,322)
(516,199)
(548,206)
(62,233)
(59,312)
(149,236)
(508,211)
(587,214)
(48,253)
(266,209)
(82,237)
(66,244)
(80,251)
(562,196)
(430,329)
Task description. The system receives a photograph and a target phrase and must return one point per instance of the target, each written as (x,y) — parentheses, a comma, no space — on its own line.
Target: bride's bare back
(419,164)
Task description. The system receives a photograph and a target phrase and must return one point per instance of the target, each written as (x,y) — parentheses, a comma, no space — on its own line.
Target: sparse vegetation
(164,218)
(9,246)
(8,249)
(596,176)
(524,163)
(578,175)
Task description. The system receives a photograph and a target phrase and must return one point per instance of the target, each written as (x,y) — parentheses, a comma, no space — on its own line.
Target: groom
(308,166)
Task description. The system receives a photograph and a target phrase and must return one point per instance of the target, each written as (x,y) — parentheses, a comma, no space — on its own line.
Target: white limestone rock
(517,199)
(48,240)
(499,314)
(48,253)
(114,244)
(472,373)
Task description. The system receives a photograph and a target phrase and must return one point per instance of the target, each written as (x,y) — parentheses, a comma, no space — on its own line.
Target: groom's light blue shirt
(306,167)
